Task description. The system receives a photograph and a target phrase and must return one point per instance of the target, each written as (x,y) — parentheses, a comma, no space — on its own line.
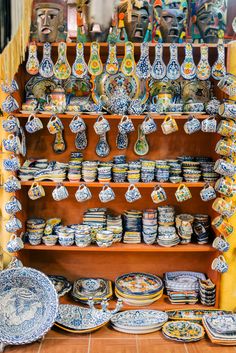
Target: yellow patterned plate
(184,331)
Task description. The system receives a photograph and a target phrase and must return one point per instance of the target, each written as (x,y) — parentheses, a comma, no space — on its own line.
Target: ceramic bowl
(50,240)
(66,240)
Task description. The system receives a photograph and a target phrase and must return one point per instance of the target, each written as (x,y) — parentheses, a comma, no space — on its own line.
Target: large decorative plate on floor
(28,305)
(77,318)
(137,319)
(183,331)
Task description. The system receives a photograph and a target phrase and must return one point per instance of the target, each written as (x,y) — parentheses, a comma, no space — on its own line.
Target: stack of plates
(221,329)
(207,292)
(89,171)
(139,321)
(167,236)
(96,219)
(183,286)
(96,288)
(76,319)
(149,226)
(183,331)
(114,223)
(194,315)
(138,288)
(132,227)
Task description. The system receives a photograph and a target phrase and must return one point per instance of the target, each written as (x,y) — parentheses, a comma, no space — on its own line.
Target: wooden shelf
(121,247)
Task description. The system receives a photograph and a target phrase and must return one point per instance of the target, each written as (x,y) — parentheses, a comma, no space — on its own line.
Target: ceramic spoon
(188,67)
(46,65)
(173,67)
(122,141)
(203,68)
(128,62)
(102,148)
(95,66)
(141,146)
(81,141)
(62,69)
(143,68)
(158,71)
(79,68)
(112,65)
(59,145)
(32,65)
(218,70)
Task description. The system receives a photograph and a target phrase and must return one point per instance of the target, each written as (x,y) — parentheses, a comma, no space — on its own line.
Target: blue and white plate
(139,319)
(28,305)
(224,324)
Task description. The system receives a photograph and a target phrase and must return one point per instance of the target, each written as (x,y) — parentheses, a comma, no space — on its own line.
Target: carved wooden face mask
(171,25)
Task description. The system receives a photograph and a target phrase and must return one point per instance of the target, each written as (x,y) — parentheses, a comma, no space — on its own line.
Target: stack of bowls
(104,238)
(119,172)
(175,171)
(149,226)
(162,171)
(89,171)
(184,227)
(82,235)
(207,292)
(104,174)
(191,171)
(35,228)
(147,171)
(114,224)
(167,236)
(75,166)
(201,228)
(66,235)
(166,215)
(96,219)
(134,172)
(138,289)
(208,173)
(132,227)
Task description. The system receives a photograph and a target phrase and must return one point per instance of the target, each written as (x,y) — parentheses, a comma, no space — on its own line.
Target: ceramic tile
(67,345)
(29,348)
(207,347)
(108,332)
(57,333)
(103,345)
(160,345)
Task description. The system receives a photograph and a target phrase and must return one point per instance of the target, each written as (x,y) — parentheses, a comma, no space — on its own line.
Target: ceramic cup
(77,124)
(10,104)
(226,128)
(11,124)
(11,143)
(226,147)
(14,244)
(132,194)
(222,225)
(12,164)
(220,243)
(55,125)
(13,206)
(158,194)
(219,264)
(228,110)
(33,124)
(224,168)
(13,225)
(207,193)
(60,193)
(226,186)
(125,125)
(223,207)
(192,125)
(12,184)
(169,125)
(10,87)
(106,194)
(36,191)
(209,124)
(101,125)
(228,84)
(148,125)
(83,193)
(182,193)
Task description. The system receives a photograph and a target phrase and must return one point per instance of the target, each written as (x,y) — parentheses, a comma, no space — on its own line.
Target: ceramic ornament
(46,65)
(158,71)
(203,67)
(32,65)
(218,70)
(79,68)
(173,68)
(188,67)
(143,68)
(128,63)
(62,69)
(95,66)
(112,65)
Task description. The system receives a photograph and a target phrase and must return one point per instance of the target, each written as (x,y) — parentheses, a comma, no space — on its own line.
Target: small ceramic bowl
(66,240)
(104,244)
(176,179)
(50,240)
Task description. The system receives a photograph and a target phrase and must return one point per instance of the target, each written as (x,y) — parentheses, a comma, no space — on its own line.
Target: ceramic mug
(225,147)
(224,168)
(226,128)
(226,186)
(106,194)
(83,193)
(125,125)
(10,104)
(12,164)
(10,87)
(13,225)
(12,184)
(11,143)
(158,194)
(101,125)
(169,125)
(219,264)
(60,193)
(33,124)
(209,124)
(207,193)
(14,244)
(224,227)
(148,125)
(11,124)
(36,191)
(55,125)
(228,110)
(228,84)
(13,206)
(220,243)
(182,193)
(192,125)
(223,207)
(77,124)
(132,194)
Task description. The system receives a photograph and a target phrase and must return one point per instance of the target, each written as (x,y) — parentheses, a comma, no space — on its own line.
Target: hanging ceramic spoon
(158,71)
(95,66)
(79,68)
(218,70)
(81,141)
(122,141)
(141,146)
(62,69)
(203,67)
(173,68)
(46,65)
(112,65)
(143,68)
(128,62)
(188,67)
(59,145)
(32,65)
(102,148)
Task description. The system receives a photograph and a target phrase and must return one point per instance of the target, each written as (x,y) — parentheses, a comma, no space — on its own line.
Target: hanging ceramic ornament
(128,62)
(46,65)
(32,65)
(188,67)
(173,68)
(218,70)
(81,141)
(143,68)
(122,141)
(102,148)
(95,66)
(79,68)
(112,65)
(141,146)
(59,145)
(203,67)
(158,71)
(62,69)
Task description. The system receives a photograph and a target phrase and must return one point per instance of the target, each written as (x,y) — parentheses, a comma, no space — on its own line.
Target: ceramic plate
(184,331)
(78,318)
(191,314)
(135,331)
(132,319)
(222,324)
(96,288)
(28,305)
(61,284)
(40,87)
